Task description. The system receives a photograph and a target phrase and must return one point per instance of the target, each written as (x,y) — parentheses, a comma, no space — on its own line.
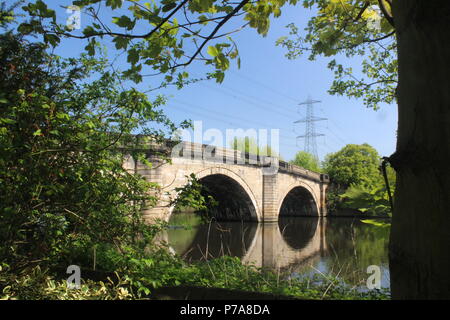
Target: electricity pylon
(310,129)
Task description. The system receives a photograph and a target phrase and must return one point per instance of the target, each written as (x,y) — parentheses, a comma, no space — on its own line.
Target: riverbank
(167,277)
(336,270)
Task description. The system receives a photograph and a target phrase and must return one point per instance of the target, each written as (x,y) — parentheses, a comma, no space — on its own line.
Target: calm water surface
(303,247)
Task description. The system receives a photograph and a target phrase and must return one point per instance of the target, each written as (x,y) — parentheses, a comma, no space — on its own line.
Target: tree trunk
(420,236)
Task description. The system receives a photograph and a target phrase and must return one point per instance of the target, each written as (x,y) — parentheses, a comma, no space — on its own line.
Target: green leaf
(52,39)
(220,76)
(124,22)
(121,42)
(114,4)
(213,51)
(169,7)
(7,120)
(203,19)
(376,223)
(90,48)
(133,56)
(25,28)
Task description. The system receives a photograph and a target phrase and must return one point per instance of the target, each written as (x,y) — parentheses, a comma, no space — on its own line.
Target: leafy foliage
(146,274)
(353,164)
(361,28)
(306,160)
(372,199)
(358,181)
(62,181)
(179,32)
(249,145)
(36,284)
(192,196)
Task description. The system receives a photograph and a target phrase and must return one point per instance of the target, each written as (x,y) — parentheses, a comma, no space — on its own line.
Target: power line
(265,86)
(239,119)
(310,129)
(343,138)
(239,95)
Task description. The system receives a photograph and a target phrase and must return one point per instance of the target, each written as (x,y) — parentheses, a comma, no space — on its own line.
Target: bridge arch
(228,188)
(295,196)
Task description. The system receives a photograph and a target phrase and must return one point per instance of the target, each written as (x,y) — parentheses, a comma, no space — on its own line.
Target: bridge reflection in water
(288,243)
(301,246)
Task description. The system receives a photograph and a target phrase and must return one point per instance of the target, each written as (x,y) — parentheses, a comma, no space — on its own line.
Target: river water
(302,246)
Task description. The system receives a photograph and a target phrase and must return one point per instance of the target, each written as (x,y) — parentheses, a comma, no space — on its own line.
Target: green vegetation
(353,164)
(162,269)
(66,199)
(307,161)
(357,180)
(373,199)
(354,29)
(249,145)
(62,180)
(179,33)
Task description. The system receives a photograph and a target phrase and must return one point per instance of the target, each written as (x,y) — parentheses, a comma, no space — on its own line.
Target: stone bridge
(247,187)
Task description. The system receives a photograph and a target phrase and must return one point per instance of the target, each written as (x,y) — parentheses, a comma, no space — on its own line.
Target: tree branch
(366,5)
(213,33)
(141,36)
(386,13)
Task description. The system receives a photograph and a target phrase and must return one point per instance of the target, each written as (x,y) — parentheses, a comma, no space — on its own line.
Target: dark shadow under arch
(234,204)
(299,202)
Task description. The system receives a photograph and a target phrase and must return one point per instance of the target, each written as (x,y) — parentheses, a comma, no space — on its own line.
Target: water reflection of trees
(352,247)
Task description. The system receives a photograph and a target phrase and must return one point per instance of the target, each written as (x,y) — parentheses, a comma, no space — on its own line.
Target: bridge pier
(323,196)
(270,198)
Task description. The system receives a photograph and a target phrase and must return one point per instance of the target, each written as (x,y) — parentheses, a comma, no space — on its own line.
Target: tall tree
(353,164)
(420,235)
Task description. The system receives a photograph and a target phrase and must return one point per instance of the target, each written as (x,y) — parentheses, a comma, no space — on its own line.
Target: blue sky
(266,90)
